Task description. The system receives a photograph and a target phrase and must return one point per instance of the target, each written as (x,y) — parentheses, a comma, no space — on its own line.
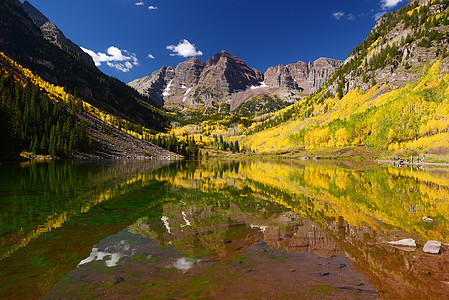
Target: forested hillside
(55,102)
(392,93)
(30,120)
(43,119)
(22,41)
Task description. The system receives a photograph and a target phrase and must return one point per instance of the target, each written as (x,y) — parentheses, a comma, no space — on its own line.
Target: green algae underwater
(220,229)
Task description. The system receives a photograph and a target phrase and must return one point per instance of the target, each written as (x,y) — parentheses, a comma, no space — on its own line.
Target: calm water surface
(221,229)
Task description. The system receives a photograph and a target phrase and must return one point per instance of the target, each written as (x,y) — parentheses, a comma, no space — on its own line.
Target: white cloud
(140,3)
(338,15)
(150,56)
(389,3)
(184,49)
(122,60)
(151,7)
(378,15)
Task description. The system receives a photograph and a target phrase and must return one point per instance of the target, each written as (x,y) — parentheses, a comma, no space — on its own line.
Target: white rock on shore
(404,243)
(432,247)
(427,220)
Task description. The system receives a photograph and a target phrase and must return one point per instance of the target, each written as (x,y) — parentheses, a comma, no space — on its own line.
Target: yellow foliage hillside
(413,117)
(57,93)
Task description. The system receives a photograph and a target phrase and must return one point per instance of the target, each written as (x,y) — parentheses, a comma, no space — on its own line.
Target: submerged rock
(432,247)
(404,243)
(118,279)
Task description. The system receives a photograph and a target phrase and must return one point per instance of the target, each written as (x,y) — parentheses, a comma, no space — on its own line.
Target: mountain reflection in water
(255,229)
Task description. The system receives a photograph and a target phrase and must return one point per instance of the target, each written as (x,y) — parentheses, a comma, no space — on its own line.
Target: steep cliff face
(300,76)
(226,73)
(188,73)
(153,85)
(280,77)
(182,79)
(320,71)
(51,32)
(226,82)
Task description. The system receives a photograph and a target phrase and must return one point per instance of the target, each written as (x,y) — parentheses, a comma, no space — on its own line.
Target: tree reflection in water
(248,229)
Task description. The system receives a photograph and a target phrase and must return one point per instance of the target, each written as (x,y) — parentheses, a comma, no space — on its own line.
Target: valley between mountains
(389,97)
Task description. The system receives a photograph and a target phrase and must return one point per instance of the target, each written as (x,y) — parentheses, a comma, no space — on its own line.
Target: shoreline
(415,163)
(349,153)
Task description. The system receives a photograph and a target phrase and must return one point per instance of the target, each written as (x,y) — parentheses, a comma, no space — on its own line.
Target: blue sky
(133,38)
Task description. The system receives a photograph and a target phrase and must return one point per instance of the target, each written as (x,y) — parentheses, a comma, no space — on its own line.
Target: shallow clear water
(221,229)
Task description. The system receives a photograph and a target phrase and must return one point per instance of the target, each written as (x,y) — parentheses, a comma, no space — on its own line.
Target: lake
(255,229)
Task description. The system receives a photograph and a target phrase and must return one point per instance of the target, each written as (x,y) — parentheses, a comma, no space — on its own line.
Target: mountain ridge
(225,82)
(51,32)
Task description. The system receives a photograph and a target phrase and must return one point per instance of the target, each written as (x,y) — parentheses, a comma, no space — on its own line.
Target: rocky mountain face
(152,86)
(187,73)
(301,76)
(51,32)
(227,74)
(224,82)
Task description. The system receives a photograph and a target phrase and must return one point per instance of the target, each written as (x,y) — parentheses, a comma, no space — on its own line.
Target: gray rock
(432,247)
(180,81)
(404,248)
(259,75)
(320,71)
(437,8)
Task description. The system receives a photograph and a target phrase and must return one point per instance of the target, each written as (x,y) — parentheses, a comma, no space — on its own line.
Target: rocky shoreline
(111,143)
